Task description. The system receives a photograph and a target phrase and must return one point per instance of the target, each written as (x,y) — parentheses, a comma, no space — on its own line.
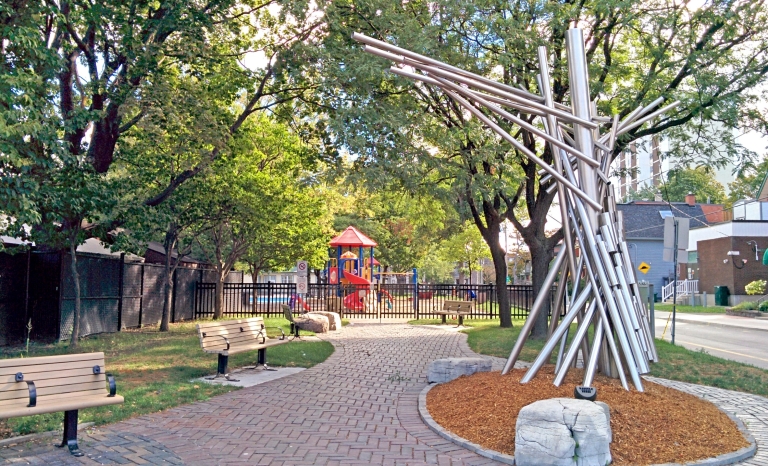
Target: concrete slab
(251,377)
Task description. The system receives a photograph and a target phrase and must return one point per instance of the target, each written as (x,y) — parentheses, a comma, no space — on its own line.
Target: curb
(722,460)
(50,433)
(436,428)
(714,324)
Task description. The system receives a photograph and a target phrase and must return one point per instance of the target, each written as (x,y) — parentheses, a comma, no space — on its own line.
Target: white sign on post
(302,285)
(302,268)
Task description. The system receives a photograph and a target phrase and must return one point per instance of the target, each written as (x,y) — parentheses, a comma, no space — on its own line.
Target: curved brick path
(358,407)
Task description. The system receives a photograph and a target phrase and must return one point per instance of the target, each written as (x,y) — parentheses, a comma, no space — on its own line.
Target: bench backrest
(217,335)
(55,378)
(453,306)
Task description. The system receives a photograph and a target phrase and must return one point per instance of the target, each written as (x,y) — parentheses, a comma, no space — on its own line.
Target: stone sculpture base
(445,370)
(563,432)
(334,321)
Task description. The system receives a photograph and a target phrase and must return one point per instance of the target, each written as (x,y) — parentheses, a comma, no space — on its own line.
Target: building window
(665,213)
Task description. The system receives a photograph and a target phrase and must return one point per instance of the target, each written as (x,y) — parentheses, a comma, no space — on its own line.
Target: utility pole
(674,286)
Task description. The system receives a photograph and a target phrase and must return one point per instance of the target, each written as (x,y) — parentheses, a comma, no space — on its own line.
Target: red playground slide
(354,301)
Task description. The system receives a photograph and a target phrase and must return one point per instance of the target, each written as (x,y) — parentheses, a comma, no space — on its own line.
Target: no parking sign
(302,268)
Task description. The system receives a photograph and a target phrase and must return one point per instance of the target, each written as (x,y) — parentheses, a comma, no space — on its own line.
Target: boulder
(445,370)
(334,321)
(563,432)
(312,322)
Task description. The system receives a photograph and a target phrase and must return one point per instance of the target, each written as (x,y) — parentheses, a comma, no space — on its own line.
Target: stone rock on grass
(445,370)
(562,432)
(312,322)
(334,321)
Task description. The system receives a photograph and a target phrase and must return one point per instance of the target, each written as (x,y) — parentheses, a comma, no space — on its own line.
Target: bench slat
(57,374)
(242,348)
(34,368)
(65,403)
(62,358)
(51,387)
(249,339)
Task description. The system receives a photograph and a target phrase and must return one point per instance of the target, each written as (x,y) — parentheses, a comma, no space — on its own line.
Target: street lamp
(634,259)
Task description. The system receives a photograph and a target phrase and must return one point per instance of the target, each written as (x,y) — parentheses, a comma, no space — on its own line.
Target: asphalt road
(737,344)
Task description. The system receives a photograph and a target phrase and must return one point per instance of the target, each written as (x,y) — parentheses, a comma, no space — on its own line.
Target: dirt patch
(660,425)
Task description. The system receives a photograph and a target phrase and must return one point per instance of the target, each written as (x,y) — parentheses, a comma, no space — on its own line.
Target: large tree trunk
(76,282)
(218,310)
(541,256)
(500,267)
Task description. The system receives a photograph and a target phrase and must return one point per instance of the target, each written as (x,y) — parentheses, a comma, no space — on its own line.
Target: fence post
(173,296)
(141,293)
(26,288)
(416,292)
(120,293)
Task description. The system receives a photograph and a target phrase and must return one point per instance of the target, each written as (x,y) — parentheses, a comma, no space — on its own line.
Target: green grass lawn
(691,309)
(675,362)
(154,370)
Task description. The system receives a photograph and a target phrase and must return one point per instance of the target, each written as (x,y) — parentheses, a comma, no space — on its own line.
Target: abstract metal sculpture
(609,301)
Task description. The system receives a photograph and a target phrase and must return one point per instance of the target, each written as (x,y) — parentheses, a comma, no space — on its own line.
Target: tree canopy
(710,58)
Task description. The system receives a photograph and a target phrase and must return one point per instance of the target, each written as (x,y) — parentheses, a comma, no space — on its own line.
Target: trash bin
(721,295)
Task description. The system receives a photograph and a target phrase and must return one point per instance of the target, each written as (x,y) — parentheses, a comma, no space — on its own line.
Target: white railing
(684,287)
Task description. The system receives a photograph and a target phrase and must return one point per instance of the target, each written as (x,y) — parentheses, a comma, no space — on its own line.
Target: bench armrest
(112,385)
(31,387)
(282,333)
(220,336)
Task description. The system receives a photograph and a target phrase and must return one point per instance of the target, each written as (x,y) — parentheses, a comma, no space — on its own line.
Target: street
(734,343)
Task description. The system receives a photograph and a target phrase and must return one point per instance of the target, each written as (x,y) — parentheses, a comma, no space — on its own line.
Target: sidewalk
(716,320)
(360,407)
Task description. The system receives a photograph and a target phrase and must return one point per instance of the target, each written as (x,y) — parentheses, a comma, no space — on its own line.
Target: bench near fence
(53,384)
(236,336)
(456,308)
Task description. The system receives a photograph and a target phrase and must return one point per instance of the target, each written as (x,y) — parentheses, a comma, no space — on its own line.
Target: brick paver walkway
(358,407)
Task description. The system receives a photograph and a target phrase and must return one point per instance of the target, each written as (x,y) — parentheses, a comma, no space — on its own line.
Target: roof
(160,249)
(352,237)
(762,192)
(643,220)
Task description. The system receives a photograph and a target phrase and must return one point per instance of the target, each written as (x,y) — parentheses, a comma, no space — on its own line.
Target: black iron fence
(384,301)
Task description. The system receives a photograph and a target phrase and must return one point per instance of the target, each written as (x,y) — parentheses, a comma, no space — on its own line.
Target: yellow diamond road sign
(643,267)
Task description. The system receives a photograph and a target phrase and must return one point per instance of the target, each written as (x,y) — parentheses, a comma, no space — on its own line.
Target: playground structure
(350,268)
(355,271)
(609,302)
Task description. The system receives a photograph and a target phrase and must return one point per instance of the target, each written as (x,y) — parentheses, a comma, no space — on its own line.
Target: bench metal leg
(461,321)
(70,433)
(221,370)
(263,360)
(295,331)
(442,318)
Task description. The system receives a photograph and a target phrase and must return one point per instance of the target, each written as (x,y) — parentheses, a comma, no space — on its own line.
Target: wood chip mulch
(661,425)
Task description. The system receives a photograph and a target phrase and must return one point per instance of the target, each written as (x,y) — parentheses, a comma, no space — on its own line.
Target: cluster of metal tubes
(608,299)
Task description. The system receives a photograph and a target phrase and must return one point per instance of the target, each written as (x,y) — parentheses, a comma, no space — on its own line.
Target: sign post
(302,273)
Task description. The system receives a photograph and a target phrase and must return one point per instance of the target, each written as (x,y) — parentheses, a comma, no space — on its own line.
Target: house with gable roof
(644,233)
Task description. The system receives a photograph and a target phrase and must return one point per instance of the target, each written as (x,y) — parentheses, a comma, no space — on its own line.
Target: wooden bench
(456,308)
(53,384)
(227,337)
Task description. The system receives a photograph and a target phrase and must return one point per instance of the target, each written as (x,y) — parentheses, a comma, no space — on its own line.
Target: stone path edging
(721,460)
(448,435)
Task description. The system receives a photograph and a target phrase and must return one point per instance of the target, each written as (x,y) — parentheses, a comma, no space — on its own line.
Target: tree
(249,196)
(636,53)
(70,203)
(466,250)
(699,181)
(748,182)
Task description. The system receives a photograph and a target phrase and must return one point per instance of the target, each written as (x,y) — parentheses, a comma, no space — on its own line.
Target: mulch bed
(661,425)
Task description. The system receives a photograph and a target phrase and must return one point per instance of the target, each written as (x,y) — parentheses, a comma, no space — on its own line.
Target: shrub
(763,307)
(746,306)
(755,287)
